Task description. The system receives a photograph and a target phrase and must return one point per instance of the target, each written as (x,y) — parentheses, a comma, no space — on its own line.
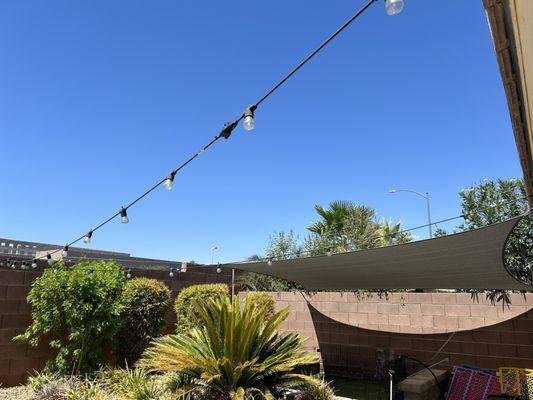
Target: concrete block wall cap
(422,382)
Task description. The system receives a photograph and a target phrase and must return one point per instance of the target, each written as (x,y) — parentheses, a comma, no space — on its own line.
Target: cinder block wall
(358,334)
(18,360)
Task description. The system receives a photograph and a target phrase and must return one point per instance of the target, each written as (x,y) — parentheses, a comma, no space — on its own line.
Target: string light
(270,262)
(219,270)
(171,273)
(124,216)
(393,7)
(88,237)
(247,117)
(169,182)
(34,263)
(14,265)
(128,275)
(49,258)
(64,254)
(248,122)
(1,263)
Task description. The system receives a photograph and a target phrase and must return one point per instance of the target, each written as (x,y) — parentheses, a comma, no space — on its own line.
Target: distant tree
(439,232)
(392,233)
(490,202)
(281,246)
(345,226)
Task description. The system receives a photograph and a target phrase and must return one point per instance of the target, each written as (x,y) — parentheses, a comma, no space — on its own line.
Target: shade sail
(467,260)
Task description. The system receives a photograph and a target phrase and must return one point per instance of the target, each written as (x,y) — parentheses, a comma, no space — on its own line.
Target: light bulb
(49,258)
(14,265)
(249,123)
(34,264)
(87,238)
(219,270)
(64,254)
(128,275)
(269,262)
(394,7)
(171,273)
(124,215)
(169,182)
(329,253)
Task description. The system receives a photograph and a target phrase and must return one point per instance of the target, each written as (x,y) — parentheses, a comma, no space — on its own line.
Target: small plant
(58,389)
(187,315)
(313,390)
(134,384)
(146,303)
(39,380)
(77,311)
(88,390)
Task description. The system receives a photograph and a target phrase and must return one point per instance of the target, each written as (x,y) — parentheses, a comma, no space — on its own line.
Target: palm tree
(233,355)
(344,226)
(333,217)
(392,233)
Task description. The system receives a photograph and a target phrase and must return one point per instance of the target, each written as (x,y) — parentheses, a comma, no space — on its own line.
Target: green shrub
(76,311)
(146,303)
(262,300)
(186,313)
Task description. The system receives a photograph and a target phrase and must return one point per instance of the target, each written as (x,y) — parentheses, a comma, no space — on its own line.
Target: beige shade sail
(467,260)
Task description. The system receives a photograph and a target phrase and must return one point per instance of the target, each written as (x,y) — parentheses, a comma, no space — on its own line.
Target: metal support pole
(429,216)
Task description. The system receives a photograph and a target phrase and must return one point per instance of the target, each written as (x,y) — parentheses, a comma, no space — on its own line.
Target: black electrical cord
(228,128)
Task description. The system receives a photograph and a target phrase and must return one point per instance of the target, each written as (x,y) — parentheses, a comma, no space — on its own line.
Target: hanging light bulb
(219,270)
(49,258)
(249,123)
(171,273)
(269,262)
(124,215)
(169,182)
(87,238)
(329,253)
(128,275)
(34,263)
(14,265)
(1,263)
(64,254)
(393,7)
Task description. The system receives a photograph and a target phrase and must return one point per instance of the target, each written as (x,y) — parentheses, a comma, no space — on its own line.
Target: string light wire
(229,127)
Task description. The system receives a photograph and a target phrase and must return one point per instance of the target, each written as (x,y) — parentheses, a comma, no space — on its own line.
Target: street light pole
(428,207)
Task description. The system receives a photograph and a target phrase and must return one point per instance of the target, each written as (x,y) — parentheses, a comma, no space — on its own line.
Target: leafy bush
(233,353)
(262,300)
(146,303)
(77,311)
(185,306)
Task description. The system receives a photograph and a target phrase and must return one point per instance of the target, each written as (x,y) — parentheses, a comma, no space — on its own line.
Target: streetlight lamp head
(393,7)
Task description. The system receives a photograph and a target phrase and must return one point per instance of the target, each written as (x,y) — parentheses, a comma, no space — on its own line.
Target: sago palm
(237,353)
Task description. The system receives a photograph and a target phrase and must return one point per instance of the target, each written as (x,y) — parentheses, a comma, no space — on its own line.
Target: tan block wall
(358,334)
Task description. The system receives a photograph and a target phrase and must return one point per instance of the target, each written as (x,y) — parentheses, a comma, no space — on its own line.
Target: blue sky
(100,99)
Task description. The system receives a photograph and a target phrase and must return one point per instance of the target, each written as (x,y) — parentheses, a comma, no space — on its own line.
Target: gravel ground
(15,393)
